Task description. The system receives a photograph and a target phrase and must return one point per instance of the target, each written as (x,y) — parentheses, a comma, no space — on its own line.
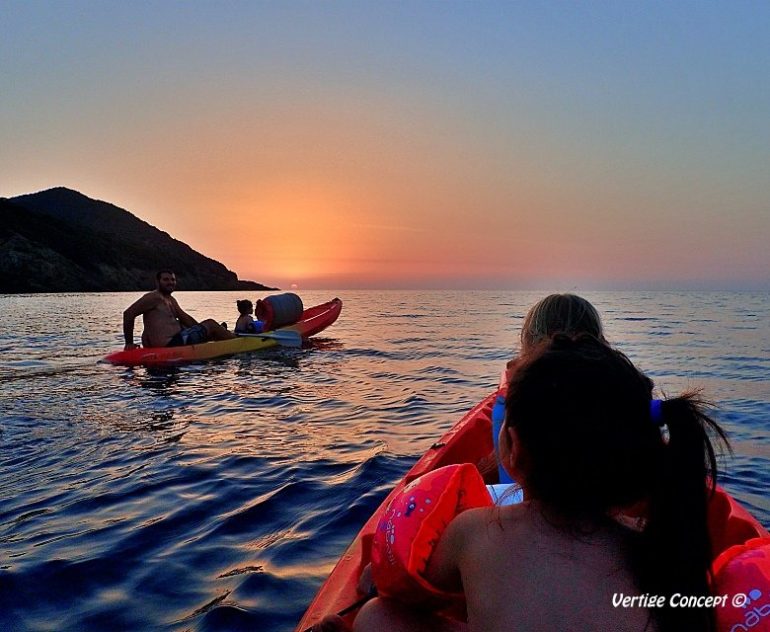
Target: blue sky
(479,144)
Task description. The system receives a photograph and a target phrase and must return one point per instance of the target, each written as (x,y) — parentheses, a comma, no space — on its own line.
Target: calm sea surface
(218,496)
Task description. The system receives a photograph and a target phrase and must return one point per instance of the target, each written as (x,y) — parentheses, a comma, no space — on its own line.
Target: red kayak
(313,320)
(469,441)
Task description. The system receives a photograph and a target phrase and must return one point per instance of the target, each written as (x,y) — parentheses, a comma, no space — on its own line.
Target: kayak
(313,320)
(470,441)
(467,442)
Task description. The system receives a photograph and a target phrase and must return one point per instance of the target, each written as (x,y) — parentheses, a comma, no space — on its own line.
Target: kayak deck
(313,320)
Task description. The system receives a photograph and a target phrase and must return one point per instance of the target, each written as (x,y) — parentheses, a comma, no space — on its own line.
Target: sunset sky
(419,144)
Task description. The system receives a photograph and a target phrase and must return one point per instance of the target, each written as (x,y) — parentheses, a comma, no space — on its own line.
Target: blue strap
(498,416)
(656,412)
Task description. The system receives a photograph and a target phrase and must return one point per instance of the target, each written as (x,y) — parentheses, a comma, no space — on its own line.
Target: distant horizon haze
(472,275)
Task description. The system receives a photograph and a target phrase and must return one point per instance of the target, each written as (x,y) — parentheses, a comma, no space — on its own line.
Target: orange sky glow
(299,148)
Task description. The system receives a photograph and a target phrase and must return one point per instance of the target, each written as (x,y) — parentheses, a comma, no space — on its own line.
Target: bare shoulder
(444,564)
(466,527)
(471,518)
(482,532)
(151,299)
(145,303)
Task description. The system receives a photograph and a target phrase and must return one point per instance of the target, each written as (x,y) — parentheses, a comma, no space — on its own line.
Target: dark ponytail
(675,554)
(592,442)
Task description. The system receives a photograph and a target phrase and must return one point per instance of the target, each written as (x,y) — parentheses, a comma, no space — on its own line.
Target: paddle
(286,338)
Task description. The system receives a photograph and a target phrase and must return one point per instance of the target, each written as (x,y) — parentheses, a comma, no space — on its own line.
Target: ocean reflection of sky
(249,475)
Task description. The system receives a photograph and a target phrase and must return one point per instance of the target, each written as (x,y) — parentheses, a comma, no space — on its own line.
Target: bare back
(244,323)
(520,573)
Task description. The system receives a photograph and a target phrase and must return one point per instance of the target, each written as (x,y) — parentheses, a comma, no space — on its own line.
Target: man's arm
(139,307)
(183,317)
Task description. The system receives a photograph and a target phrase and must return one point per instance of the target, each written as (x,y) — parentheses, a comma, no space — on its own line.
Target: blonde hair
(560,313)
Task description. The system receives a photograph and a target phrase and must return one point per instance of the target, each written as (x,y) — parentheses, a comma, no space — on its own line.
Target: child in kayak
(585,439)
(246,323)
(557,313)
(560,313)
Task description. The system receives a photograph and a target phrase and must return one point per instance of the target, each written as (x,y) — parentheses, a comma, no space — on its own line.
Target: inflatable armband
(742,575)
(411,526)
(729,523)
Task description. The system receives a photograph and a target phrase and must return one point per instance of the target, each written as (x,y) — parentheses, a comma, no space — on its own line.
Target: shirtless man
(165,323)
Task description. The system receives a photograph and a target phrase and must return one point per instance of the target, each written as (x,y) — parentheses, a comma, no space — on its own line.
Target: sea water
(218,496)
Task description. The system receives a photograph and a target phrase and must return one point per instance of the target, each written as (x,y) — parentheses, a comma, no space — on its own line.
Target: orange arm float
(411,527)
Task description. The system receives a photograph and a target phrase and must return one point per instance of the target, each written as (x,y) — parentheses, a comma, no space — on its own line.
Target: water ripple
(218,496)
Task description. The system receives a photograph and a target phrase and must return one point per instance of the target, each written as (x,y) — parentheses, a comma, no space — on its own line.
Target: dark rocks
(59,240)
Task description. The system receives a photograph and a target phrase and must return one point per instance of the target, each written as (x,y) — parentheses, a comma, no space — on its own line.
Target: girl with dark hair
(586,440)
(246,323)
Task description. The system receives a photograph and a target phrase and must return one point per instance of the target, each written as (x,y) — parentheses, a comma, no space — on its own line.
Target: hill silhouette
(60,240)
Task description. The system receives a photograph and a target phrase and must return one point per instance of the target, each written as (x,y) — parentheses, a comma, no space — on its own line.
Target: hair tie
(656,414)
(656,411)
